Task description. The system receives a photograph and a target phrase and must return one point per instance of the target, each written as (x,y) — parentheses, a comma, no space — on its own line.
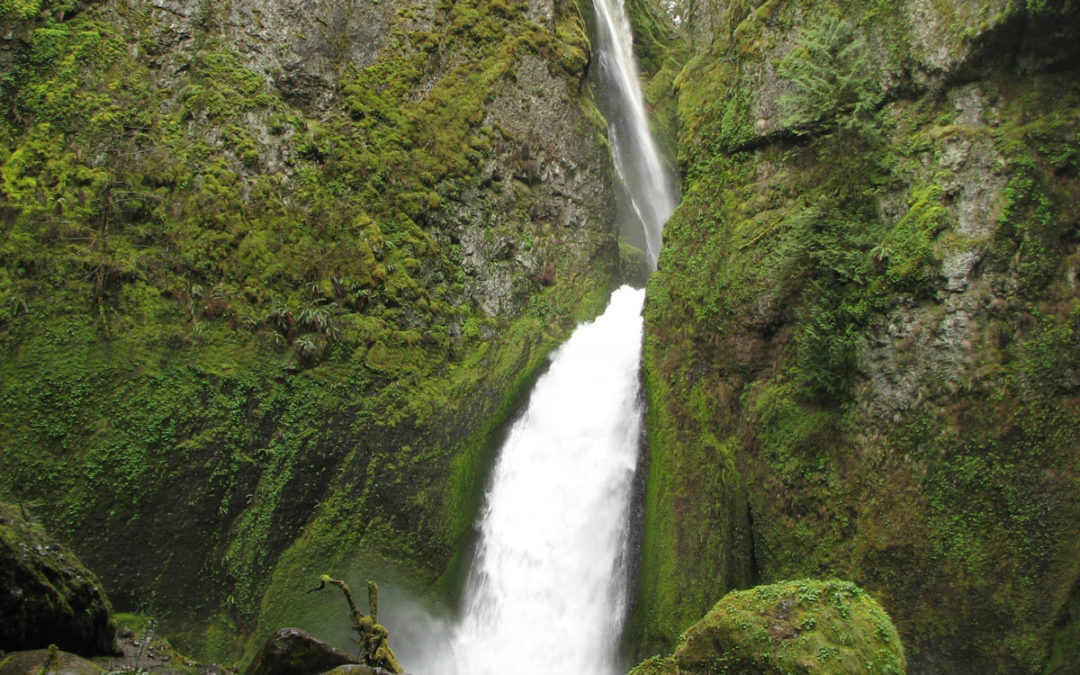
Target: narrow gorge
(277,282)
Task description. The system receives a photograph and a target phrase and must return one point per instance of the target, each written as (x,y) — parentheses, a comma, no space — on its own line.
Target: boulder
(47,596)
(802,626)
(357,669)
(291,651)
(47,662)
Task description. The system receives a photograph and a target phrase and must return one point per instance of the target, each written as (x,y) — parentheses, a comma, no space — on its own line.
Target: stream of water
(547,593)
(648,182)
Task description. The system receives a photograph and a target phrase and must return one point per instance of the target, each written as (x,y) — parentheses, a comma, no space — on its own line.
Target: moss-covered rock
(47,597)
(50,661)
(803,626)
(355,669)
(144,649)
(860,345)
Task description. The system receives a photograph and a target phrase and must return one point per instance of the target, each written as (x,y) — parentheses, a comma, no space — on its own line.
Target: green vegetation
(834,83)
(803,626)
(246,334)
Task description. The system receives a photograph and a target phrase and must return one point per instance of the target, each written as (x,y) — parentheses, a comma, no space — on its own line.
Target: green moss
(656,666)
(803,626)
(19,9)
(908,251)
(672,583)
(1063,650)
(867,415)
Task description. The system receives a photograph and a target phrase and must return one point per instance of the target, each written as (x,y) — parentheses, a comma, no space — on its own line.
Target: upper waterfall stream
(649,185)
(548,589)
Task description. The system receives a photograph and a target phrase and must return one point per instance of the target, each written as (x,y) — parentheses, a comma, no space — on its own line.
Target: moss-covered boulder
(357,669)
(802,626)
(47,596)
(47,662)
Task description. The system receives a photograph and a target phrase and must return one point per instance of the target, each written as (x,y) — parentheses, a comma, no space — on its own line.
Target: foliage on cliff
(801,626)
(236,321)
(862,344)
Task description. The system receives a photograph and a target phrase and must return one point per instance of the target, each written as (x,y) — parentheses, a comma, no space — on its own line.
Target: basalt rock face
(302,50)
(272,274)
(47,597)
(862,341)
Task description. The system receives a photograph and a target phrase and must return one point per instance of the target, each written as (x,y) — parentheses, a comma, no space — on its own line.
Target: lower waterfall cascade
(547,592)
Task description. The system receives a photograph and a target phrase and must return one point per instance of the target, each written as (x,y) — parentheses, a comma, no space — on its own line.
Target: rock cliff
(271,276)
(863,338)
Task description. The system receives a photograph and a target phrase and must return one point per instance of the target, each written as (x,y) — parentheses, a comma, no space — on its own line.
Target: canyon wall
(863,341)
(271,277)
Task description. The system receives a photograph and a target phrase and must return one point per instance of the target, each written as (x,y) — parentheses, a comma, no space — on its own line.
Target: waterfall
(548,589)
(547,592)
(650,187)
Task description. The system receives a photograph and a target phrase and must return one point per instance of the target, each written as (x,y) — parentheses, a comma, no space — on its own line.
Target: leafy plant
(834,81)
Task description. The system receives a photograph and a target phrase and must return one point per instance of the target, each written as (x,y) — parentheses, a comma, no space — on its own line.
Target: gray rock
(302,49)
(292,651)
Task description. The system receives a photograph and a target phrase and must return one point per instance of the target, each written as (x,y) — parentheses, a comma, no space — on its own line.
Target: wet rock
(47,596)
(292,651)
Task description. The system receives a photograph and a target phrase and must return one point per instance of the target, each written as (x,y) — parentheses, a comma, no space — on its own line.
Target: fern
(834,81)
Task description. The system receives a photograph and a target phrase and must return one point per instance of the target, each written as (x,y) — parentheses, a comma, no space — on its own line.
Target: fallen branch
(374,649)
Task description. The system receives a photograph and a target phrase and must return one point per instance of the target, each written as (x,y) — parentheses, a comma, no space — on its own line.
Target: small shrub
(835,83)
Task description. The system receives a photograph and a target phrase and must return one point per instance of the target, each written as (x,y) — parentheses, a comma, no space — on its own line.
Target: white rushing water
(548,589)
(547,592)
(649,184)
